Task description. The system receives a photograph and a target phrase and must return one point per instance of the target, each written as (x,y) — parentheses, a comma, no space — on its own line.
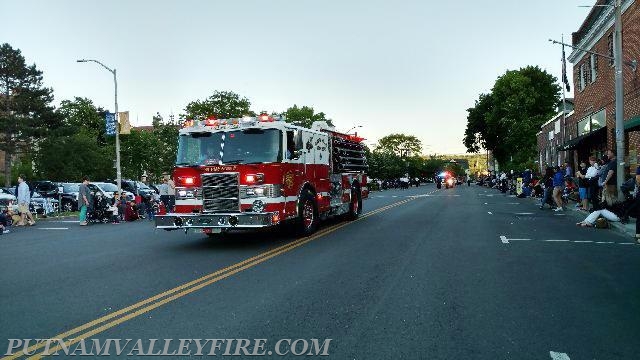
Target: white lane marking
(519,239)
(583,241)
(486,203)
(524,213)
(489,212)
(559,214)
(604,242)
(558,356)
(513,203)
(626,243)
(557,240)
(504,239)
(52,228)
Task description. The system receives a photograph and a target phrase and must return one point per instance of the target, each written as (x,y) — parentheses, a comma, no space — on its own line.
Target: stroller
(98,211)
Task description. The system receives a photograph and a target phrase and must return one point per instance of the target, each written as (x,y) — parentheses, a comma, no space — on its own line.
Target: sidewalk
(627,229)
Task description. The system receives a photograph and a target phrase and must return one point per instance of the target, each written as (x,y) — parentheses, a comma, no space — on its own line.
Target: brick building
(551,136)
(591,130)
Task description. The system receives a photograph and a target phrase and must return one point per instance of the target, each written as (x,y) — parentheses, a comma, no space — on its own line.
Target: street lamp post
(353,128)
(115,84)
(617,57)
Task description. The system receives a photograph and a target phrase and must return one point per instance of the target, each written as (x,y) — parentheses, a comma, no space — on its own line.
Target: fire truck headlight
(258,206)
(259,191)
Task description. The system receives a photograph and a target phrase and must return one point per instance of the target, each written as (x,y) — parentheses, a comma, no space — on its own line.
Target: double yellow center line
(108,321)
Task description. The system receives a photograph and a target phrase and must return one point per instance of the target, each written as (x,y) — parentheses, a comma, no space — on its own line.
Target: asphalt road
(464,273)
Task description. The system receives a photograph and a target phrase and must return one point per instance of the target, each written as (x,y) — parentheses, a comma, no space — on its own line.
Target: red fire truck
(256,172)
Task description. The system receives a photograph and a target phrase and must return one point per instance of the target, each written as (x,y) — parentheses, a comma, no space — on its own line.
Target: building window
(610,46)
(550,135)
(592,122)
(582,76)
(594,67)
(557,127)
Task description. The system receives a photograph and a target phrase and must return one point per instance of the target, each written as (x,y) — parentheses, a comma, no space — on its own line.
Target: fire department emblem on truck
(288,180)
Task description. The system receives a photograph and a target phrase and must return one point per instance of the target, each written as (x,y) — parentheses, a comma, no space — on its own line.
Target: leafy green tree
(25,106)
(69,157)
(81,113)
(304,116)
(506,120)
(399,144)
(221,104)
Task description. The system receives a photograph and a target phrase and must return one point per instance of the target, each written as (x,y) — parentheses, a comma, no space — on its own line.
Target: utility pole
(617,57)
(115,84)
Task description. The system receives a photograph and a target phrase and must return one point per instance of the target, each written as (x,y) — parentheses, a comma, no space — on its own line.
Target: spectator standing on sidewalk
(163,190)
(609,173)
(636,204)
(547,181)
(558,186)
(583,186)
(592,178)
(172,193)
(24,199)
(568,171)
(83,200)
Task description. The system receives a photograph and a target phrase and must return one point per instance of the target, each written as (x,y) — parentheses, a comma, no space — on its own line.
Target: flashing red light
(265,118)
(275,218)
(187,180)
(211,122)
(254,178)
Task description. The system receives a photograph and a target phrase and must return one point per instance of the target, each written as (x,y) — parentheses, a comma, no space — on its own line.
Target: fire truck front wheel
(307,222)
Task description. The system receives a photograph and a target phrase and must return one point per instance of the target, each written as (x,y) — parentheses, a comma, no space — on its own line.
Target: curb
(615,226)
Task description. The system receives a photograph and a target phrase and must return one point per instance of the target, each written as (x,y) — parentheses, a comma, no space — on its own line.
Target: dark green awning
(632,124)
(574,143)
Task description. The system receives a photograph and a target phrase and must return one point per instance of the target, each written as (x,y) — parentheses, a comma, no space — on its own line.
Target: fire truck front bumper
(245,220)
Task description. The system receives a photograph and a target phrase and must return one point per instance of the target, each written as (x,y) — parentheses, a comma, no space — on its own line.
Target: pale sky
(391,66)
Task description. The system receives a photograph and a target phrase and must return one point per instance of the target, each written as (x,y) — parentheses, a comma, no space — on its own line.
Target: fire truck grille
(220,192)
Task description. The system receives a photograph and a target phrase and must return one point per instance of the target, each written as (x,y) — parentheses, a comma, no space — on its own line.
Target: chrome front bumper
(246,220)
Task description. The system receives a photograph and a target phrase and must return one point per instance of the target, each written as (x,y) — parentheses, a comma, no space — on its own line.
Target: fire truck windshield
(230,147)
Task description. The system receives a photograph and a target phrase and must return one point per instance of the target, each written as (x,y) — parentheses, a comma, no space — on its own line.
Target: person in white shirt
(592,178)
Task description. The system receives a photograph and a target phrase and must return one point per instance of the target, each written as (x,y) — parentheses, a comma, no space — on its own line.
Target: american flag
(565,79)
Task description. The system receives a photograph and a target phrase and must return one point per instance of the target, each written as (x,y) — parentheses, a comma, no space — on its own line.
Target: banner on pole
(110,124)
(125,125)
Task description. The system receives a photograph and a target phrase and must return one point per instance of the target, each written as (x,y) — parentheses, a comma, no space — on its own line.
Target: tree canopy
(25,105)
(221,104)
(506,120)
(400,144)
(304,116)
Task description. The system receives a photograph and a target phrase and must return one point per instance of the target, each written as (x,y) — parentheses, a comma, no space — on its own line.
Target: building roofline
(597,23)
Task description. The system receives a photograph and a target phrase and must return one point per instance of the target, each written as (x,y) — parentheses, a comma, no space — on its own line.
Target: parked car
(37,205)
(45,188)
(7,199)
(110,189)
(139,188)
(69,196)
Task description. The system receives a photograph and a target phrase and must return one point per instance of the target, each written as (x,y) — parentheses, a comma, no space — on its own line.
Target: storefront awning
(632,124)
(574,143)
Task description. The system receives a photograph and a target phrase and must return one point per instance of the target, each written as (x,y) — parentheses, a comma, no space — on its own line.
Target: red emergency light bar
(265,118)
(349,137)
